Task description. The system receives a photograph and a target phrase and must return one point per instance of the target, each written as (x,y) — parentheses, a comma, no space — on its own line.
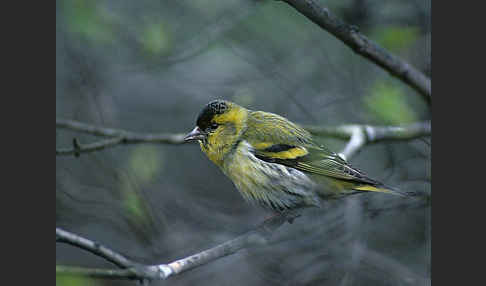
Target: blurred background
(150,66)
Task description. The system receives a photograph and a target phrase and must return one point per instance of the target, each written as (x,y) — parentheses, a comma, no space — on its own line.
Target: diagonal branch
(350,36)
(93,247)
(133,270)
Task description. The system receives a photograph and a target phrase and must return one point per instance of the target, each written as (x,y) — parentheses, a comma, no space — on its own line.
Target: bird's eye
(214,126)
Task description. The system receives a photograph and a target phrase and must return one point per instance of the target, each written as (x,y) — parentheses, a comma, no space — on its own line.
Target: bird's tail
(381,188)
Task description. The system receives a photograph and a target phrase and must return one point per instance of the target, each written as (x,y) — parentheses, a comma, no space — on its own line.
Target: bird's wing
(266,128)
(277,140)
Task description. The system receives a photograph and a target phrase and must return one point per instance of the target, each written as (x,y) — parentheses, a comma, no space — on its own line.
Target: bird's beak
(195,134)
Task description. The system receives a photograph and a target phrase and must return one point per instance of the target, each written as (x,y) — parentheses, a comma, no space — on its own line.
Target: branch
(87,148)
(134,270)
(358,136)
(93,247)
(129,137)
(118,137)
(361,135)
(364,46)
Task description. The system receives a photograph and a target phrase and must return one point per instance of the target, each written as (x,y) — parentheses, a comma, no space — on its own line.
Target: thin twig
(350,36)
(128,136)
(87,148)
(117,137)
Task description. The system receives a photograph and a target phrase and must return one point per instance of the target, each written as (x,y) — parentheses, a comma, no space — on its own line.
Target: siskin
(274,162)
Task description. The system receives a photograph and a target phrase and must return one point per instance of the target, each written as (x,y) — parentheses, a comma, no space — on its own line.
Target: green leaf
(64,280)
(395,38)
(134,205)
(155,39)
(387,102)
(85,17)
(146,162)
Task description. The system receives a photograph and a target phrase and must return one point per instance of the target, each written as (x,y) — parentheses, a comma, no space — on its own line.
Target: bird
(274,162)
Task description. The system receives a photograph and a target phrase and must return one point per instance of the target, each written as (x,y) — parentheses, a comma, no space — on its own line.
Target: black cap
(206,115)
